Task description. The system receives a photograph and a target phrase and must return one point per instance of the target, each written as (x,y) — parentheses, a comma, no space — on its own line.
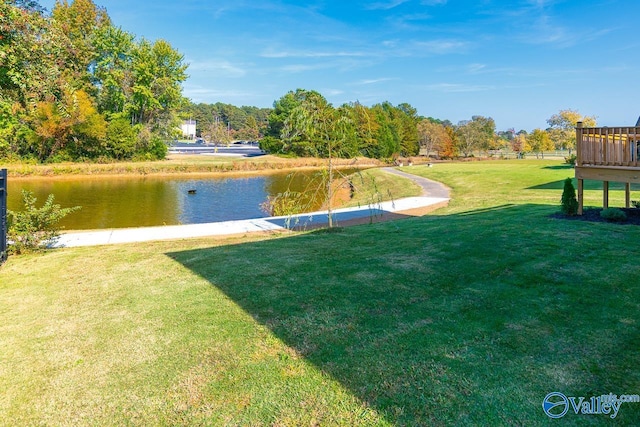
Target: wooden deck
(607,154)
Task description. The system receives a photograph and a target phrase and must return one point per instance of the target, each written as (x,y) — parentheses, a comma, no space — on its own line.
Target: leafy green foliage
(382,131)
(569,202)
(121,139)
(571,160)
(475,134)
(33,227)
(613,214)
(67,76)
(271,144)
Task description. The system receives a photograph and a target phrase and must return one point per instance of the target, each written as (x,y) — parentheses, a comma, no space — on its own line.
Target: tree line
(303,123)
(223,123)
(74,86)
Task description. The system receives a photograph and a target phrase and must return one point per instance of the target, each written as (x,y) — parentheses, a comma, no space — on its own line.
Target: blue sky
(518,62)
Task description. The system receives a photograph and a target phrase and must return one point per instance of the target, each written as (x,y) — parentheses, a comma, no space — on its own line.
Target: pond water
(118,202)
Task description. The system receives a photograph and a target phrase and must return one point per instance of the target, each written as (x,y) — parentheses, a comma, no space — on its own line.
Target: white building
(188,128)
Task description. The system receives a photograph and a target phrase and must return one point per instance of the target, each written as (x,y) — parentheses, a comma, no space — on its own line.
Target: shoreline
(186,165)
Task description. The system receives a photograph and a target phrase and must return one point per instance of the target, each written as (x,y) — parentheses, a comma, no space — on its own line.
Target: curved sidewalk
(434,195)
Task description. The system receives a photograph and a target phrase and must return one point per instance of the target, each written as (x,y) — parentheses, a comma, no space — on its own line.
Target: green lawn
(466,317)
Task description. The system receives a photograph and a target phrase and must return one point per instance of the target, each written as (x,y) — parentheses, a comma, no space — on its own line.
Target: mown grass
(467,317)
(372,186)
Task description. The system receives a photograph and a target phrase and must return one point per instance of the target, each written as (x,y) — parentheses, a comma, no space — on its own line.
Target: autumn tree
(539,141)
(432,136)
(476,134)
(450,148)
(519,143)
(71,126)
(562,128)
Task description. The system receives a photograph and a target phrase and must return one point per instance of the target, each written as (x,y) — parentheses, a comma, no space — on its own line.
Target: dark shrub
(613,214)
(569,202)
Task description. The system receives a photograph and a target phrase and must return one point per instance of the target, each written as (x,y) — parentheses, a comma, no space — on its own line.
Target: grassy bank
(466,317)
(180,164)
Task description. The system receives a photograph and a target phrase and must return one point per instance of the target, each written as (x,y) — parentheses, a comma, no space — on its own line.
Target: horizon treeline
(303,123)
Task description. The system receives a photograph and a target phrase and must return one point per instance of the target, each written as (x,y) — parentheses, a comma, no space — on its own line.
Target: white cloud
(199,92)
(441,46)
(386,5)
(309,54)
(301,68)
(476,68)
(457,87)
(375,81)
(332,92)
(225,68)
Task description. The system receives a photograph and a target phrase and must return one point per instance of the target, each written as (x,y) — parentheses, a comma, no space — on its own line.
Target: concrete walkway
(429,188)
(434,194)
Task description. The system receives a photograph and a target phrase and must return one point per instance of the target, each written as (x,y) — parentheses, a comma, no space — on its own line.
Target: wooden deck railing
(604,146)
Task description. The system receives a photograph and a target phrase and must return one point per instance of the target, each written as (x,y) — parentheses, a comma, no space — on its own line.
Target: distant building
(188,128)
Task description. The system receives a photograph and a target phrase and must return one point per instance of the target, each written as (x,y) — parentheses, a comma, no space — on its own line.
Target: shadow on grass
(467,319)
(559,167)
(588,185)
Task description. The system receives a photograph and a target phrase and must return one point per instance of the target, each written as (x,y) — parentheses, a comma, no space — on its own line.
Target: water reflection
(219,199)
(117,202)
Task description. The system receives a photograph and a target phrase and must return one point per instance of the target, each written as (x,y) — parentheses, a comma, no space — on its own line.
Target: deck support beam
(605,194)
(627,194)
(580,195)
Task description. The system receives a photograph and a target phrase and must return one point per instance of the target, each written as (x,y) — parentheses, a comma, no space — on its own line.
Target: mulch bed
(593,215)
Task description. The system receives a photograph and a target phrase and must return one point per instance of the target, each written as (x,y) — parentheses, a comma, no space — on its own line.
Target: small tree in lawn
(569,201)
(31,228)
(316,125)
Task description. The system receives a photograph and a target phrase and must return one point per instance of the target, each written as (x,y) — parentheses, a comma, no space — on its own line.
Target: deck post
(627,194)
(579,163)
(578,144)
(580,195)
(605,194)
